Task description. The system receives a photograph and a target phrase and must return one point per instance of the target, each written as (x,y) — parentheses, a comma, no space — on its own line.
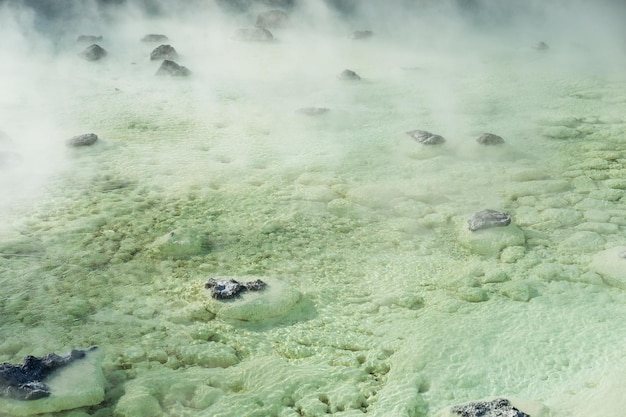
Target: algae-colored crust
(276,299)
(79,384)
(492,241)
(611,266)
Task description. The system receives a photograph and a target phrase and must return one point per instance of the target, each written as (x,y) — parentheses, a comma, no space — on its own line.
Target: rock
(257,34)
(153,37)
(86,139)
(88,39)
(499,407)
(492,240)
(489,139)
(93,53)
(272,19)
(541,46)
(224,289)
(53,383)
(276,299)
(362,34)
(485,219)
(163,52)
(349,75)
(611,265)
(178,244)
(425,137)
(312,111)
(172,68)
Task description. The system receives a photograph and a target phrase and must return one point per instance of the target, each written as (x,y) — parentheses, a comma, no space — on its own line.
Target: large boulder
(163,52)
(93,53)
(275,299)
(172,68)
(52,383)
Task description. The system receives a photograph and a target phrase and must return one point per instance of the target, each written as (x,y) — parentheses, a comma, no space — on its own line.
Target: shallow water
(397,316)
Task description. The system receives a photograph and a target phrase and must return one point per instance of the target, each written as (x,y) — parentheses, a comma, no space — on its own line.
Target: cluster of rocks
(427,138)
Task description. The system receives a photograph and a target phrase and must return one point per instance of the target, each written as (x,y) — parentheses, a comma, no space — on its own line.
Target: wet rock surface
(426,138)
(499,407)
(226,289)
(154,37)
(86,139)
(349,75)
(25,381)
(272,19)
(169,67)
(258,34)
(489,139)
(163,52)
(486,219)
(93,53)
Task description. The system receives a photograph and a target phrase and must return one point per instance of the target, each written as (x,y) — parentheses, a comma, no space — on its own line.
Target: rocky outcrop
(489,139)
(257,34)
(154,37)
(25,381)
(86,139)
(426,138)
(93,53)
(164,52)
(272,19)
(169,67)
(349,75)
(485,219)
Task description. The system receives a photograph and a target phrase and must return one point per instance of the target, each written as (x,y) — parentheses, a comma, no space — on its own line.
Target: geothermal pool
(400,310)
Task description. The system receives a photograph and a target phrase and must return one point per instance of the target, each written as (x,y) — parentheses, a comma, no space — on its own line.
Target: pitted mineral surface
(485,219)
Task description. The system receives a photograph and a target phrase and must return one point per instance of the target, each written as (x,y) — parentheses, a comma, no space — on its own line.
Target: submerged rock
(163,52)
(154,37)
(25,381)
(88,39)
(225,289)
(362,34)
(272,19)
(312,111)
(485,219)
(172,68)
(258,34)
(93,53)
(500,407)
(349,75)
(86,139)
(426,138)
(276,299)
(489,139)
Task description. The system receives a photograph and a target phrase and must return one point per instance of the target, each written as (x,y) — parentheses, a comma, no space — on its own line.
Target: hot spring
(263,163)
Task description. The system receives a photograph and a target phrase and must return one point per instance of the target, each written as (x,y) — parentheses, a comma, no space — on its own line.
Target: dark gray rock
(312,111)
(26,380)
(499,407)
(272,19)
(541,46)
(485,219)
(426,138)
(226,289)
(164,52)
(489,139)
(87,139)
(172,68)
(349,75)
(154,37)
(93,53)
(257,34)
(362,34)
(88,39)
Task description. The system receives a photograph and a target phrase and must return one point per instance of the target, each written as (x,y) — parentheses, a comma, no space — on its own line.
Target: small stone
(93,53)
(489,139)
(485,219)
(172,68)
(164,52)
(86,139)
(153,37)
(349,75)
(426,138)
